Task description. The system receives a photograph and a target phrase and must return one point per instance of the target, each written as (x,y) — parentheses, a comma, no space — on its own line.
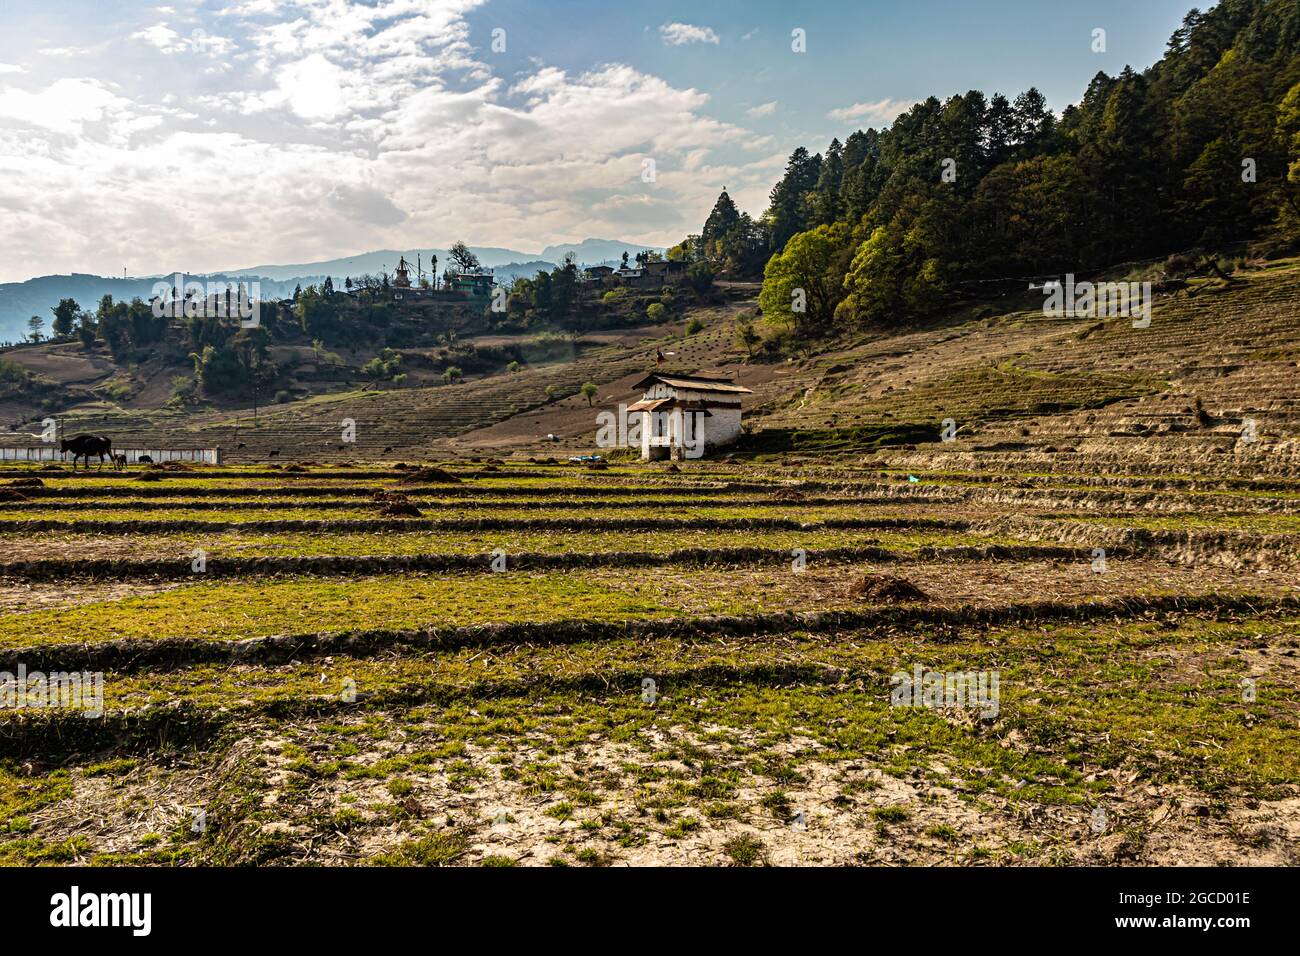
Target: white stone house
(684,416)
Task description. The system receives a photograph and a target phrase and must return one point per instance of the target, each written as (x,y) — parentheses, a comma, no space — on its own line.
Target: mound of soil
(887,589)
(9,494)
(425,475)
(392,496)
(59,468)
(400,509)
(26,483)
(294,468)
(149,476)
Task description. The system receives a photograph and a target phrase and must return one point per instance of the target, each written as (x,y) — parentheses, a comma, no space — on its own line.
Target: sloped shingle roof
(695,383)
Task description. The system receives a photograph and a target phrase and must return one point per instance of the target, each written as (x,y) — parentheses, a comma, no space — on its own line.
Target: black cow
(83,446)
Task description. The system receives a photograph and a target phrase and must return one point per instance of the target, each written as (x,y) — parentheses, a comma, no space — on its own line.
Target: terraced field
(536,664)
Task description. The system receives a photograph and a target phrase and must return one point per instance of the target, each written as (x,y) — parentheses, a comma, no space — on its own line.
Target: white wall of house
(721,427)
(658,431)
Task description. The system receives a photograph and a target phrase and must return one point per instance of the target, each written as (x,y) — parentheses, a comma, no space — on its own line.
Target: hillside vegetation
(976,193)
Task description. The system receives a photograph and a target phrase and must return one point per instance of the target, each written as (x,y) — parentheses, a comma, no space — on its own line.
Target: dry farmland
(530,663)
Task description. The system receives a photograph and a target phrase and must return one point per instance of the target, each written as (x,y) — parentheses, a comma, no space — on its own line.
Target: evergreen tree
(721,221)
(65,314)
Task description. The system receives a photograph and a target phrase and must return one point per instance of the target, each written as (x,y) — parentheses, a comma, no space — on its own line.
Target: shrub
(746,850)
(699,276)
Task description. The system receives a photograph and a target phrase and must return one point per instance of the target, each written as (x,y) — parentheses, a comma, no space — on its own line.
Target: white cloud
(762,109)
(11,68)
(881,112)
(168,42)
(64,107)
(679,34)
(341,126)
(161,37)
(313,87)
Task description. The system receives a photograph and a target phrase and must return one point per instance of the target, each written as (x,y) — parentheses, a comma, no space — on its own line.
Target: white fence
(206,456)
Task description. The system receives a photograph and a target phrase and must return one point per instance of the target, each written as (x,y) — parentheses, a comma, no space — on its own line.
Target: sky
(200,136)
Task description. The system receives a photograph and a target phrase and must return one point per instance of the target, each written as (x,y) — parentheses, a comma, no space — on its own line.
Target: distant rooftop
(699,383)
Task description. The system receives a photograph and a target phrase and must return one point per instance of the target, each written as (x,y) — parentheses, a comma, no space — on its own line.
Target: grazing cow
(83,446)
(119,462)
(145,459)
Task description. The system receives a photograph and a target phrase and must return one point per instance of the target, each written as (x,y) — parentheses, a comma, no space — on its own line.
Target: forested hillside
(1201,150)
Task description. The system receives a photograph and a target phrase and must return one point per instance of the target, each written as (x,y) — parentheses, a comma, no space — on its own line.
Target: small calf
(119,462)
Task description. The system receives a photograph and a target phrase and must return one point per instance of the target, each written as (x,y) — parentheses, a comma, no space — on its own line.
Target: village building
(684,416)
(597,273)
(666,271)
(650,275)
(473,284)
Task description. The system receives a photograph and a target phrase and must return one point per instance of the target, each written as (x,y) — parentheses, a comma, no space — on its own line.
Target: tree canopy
(1202,149)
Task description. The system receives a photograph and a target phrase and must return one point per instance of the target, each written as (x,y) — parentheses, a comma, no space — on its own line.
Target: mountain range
(19,301)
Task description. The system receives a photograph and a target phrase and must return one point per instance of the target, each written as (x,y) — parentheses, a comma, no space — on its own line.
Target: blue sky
(863,51)
(216,134)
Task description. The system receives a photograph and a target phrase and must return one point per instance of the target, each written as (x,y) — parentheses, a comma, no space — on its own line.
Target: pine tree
(721,220)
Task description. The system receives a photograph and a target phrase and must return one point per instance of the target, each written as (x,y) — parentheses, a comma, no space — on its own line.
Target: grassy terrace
(1108,657)
(1261,524)
(534,745)
(221,610)
(793,497)
(244,544)
(218,612)
(551,755)
(779,512)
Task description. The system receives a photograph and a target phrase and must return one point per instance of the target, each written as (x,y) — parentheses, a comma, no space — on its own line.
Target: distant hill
(373,263)
(587,252)
(595,251)
(19,301)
